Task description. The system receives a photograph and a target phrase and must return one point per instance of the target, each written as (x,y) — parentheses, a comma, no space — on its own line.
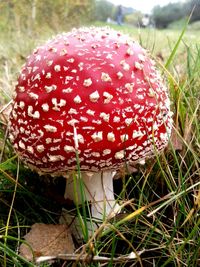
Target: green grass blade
(174,51)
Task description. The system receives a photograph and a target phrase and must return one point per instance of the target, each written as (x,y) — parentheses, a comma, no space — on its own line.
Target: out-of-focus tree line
(164,16)
(63,14)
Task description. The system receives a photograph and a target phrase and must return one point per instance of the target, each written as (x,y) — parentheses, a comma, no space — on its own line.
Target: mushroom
(95,93)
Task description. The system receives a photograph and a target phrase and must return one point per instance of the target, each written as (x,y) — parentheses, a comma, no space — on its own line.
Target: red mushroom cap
(99,82)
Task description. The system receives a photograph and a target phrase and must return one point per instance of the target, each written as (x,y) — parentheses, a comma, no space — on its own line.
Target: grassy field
(162,198)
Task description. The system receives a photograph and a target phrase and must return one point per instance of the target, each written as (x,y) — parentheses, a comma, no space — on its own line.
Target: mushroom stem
(98,190)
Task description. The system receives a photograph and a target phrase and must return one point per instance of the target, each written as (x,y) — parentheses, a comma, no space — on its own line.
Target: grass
(161,199)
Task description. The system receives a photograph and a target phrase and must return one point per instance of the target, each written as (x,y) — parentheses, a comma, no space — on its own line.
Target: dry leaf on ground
(47,240)
(176,141)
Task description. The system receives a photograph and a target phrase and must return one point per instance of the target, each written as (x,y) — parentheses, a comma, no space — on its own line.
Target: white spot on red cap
(57,68)
(69,149)
(50,128)
(98,136)
(109,56)
(124,137)
(129,87)
(22,145)
(96,154)
(84,119)
(94,97)
(141,57)
(45,107)
(48,140)
(74,71)
(33,95)
(55,148)
(128,121)
(21,129)
(105,77)
(97,122)
(80,65)
(87,82)
(116,119)
(105,116)
(63,52)
(80,138)
(65,68)
(67,90)
(139,66)
(58,103)
(111,137)
(21,89)
(35,114)
(21,104)
(55,158)
(72,111)
(50,88)
(40,148)
(77,99)
(119,75)
(49,62)
(48,75)
(137,134)
(38,58)
(52,49)
(68,78)
(72,122)
(106,152)
(30,149)
(125,65)
(90,112)
(108,97)
(71,60)
(119,154)
(129,51)
(11,137)
(163,136)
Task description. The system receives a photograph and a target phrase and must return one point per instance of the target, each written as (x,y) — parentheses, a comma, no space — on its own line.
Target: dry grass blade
(196,208)
(174,198)
(89,258)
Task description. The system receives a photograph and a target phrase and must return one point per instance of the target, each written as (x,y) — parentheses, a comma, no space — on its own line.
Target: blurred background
(33,16)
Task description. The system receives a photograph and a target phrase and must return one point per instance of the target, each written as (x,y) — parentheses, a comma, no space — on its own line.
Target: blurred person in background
(119,15)
(145,21)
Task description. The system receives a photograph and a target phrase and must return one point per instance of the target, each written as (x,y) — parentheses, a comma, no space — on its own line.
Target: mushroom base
(96,188)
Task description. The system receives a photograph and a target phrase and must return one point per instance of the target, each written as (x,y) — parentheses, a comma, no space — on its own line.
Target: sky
(145,6)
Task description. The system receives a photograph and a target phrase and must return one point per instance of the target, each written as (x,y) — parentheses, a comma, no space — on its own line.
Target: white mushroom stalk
(98,190)
(94,188)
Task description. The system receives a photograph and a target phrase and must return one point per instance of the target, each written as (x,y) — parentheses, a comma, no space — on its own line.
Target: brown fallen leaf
(176,141)
(47,240)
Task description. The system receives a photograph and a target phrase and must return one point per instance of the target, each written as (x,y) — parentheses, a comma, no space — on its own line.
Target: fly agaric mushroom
(97,92)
